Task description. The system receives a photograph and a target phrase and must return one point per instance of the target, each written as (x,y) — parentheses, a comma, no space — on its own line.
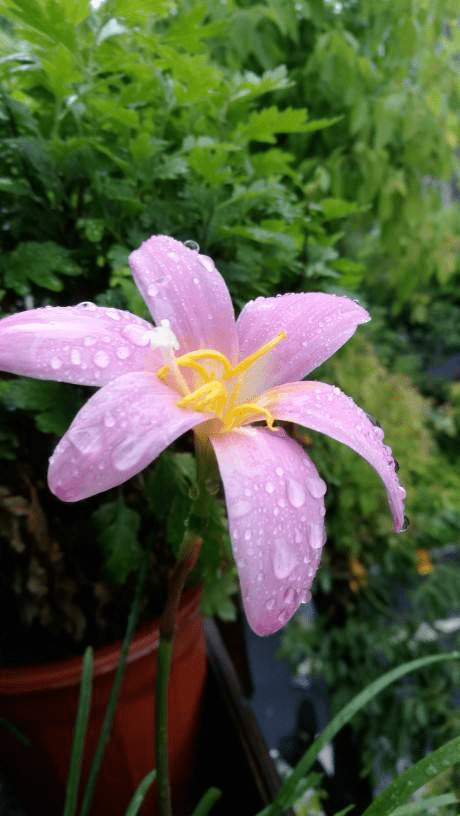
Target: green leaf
(16,732)
(338,208)
(54,405)
(78,743)
(414,778)
(207,801)
(262,126)
(216,597)
(427,803)
(117,527)
(39,264)
(286,794)
(139,794)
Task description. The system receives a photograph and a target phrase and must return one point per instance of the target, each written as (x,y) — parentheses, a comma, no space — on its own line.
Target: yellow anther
(210,396)
(251,358)
(240,413)
(205,354)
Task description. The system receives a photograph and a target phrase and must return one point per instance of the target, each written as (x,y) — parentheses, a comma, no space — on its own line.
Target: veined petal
(121,429)
(275,508)
(316,324)
(325,408)
(85,344)
(182,286)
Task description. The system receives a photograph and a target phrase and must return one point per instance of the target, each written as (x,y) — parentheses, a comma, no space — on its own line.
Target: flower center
(213,384)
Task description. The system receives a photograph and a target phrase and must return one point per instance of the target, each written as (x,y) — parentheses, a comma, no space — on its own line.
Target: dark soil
(54,599)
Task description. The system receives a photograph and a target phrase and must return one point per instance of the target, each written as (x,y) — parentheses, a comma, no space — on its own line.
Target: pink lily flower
(200,369)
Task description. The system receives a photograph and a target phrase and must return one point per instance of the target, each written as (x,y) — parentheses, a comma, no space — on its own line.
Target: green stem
(185,563)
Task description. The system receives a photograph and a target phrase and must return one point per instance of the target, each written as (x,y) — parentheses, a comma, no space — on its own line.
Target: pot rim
(62,673)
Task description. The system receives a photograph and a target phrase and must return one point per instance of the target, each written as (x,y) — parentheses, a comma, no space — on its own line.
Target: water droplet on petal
(129,452)
(279,471)
(87,440)
(136,334)
(316,487)
(87,305)
(284,560)
(123,352)
(192,245)
(56,363)
(269,487)
(316,536)
(113,314)
(290,597)
(295,493)
(75,357)
(270,605)
(101,359)
(89,341)
(247,535)
(152,290)
(109,420)
(196,281)
(207,262)
(240,508)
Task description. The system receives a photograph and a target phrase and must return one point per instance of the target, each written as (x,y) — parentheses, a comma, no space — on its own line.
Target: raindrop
(281,503)
(316,487)
(279,471)
(123,352)
(56,363)
(109,420)
(152,290)
(290,597)
(295,493)
(87,305)
(247,535)
(75,357)
(196,281)
(316,536)
(192,245)
(240,508)
(270,605)
(130,452)
(269,487)
(87,440)
(136,334)
(113,314)
(284,560)
(207,262)
(89,341)
(101,359)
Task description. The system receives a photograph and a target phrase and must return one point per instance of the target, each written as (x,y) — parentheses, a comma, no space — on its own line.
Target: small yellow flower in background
(359,571)
(424,563)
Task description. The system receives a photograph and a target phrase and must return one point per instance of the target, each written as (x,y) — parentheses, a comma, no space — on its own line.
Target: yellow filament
(209,354)
(237,415)
(251,358)
(211,395)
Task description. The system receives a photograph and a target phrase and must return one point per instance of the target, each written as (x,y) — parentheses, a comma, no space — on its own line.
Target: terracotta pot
(42,702)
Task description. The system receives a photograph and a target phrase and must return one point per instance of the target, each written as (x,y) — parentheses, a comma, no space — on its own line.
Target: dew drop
(109,420)
(207,262)
(247,535)
(281,503)
(284,560)
(91,307)
(136,334)
(75,357)
(290,597)
(192,245)
(279,471)
(56,363)
(295,493)
(316,536)
(270,605)
(316,487)
(101,359)
(89,341)
(123,352)
(130,452)
(113,314)
(240,508)
(269,487)
(196,281)
(152,290)
(87,440)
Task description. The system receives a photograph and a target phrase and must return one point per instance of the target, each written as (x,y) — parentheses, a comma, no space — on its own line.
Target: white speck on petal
(269,487)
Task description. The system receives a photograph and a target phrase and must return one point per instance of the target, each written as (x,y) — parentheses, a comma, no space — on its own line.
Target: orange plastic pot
(42,702)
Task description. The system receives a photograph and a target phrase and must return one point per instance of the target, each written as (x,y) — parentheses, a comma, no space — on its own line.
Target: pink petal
(316,325)
(84,344)
(326,409)
(276,511)
(182,286)
(121,429)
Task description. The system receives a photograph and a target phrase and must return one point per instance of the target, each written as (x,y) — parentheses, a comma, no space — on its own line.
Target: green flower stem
(184,565)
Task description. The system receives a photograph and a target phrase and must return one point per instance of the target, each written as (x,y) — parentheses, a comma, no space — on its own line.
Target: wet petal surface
(275,506)
(85,344)
(181,285)
(325,408)
(121,429)
(316,324)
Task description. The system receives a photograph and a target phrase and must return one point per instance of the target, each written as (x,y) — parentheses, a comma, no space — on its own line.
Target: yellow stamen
(206,354)
(251,358)
(240,413)
(210,396)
